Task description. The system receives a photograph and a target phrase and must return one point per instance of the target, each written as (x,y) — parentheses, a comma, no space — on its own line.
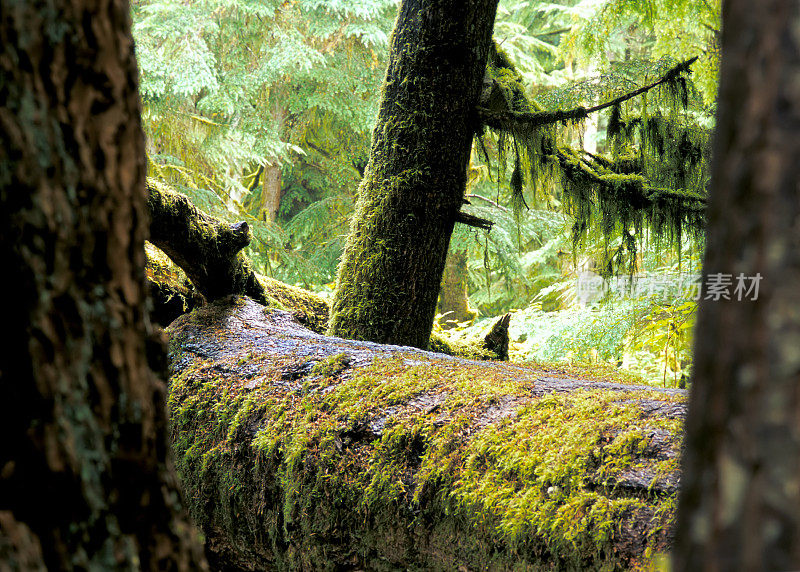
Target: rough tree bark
(413,187)
(85,477)
(300,451)
(740,506)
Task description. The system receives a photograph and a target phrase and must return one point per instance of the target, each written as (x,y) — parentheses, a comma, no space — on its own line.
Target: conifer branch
(638,191)
(490,201)
(506,119)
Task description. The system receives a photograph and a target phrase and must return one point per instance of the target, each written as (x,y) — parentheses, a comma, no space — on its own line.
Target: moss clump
(534,468)
(443,343)
(171,292)
(331,366)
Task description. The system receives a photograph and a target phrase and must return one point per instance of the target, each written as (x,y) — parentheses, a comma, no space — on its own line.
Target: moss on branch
(509,119)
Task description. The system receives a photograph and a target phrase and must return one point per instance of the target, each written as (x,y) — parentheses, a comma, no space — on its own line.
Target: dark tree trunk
(740,506)
(85,478)
(389,277)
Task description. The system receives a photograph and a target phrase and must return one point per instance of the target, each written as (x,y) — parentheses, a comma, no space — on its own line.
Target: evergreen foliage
(620,32)
(230,87)
(659,140)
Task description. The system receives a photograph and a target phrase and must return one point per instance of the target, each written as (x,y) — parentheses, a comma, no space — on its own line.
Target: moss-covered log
(299,451)
(205,247)
(207,250)
(413,187)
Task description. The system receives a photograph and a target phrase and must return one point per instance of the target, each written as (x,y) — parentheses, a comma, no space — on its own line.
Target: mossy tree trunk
(740,505)
(413,187)
(85,479)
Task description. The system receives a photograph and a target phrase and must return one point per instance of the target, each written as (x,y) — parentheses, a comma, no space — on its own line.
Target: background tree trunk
(389,277)
(740,504)
(272,187)
(85,479)
(453,299)
(271,193)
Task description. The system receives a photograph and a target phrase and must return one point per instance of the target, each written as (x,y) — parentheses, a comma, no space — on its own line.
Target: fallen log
(208,250)
(205,247)
(300,451)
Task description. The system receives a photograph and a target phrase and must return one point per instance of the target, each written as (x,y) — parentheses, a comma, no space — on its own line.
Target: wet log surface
(300,451)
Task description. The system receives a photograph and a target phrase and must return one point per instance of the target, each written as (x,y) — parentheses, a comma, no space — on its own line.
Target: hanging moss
(656,175)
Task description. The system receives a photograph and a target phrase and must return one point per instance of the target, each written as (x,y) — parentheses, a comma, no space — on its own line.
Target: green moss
(310,309)
(331,366)
(359,465)
(468,349)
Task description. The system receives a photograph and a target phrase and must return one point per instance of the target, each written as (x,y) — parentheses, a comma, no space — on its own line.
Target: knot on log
(235,237)
(497,339)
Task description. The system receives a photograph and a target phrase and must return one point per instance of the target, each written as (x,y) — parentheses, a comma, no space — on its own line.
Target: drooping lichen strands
(655,176)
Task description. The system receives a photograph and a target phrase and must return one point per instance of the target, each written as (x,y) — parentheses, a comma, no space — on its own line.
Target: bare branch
(471,220)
